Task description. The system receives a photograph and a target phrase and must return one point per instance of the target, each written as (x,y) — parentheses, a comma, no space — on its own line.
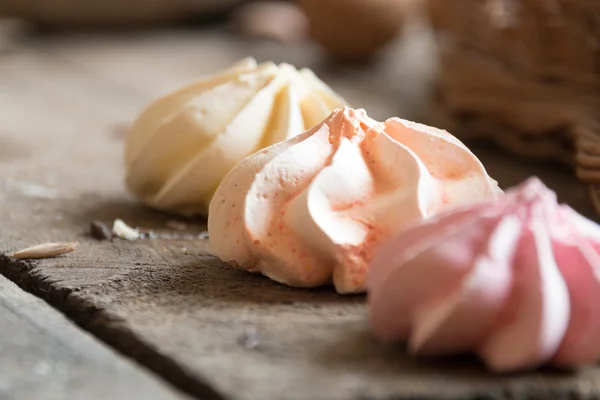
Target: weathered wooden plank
(213,331)
(45,356)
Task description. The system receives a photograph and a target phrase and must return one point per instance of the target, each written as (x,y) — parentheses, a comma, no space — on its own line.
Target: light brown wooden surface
(212,331)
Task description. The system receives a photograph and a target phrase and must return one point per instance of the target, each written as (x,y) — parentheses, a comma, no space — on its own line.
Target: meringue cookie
(183,144)
(516,281)
(313,209)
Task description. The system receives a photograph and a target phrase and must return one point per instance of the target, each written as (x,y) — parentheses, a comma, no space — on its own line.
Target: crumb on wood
(99,230)
(249,339)
(124,231)
(45,250)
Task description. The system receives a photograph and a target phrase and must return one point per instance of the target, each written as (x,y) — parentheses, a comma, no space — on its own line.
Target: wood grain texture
(44,356)
(215,332)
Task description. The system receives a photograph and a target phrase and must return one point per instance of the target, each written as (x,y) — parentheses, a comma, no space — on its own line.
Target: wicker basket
(525,73)
(109,13)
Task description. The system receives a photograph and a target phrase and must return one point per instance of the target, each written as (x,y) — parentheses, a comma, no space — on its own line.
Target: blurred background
(520,76)
(356,46)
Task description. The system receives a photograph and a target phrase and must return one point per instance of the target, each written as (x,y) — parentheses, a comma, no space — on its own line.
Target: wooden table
(168,319)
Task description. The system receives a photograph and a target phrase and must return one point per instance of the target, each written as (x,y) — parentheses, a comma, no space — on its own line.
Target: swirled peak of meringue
(516,281)
(313,209)
(182,145)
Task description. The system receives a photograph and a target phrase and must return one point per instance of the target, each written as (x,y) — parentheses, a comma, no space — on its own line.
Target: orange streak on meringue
(313,209)
(516,281)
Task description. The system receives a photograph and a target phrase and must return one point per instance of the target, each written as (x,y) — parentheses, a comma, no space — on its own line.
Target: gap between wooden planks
(44,356)
(212,331)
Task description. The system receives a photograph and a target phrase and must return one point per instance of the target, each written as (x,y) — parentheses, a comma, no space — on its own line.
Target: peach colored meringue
(516,281)
(314,208)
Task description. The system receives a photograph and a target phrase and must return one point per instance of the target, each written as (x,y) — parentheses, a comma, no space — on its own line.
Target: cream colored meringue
(314,208)
(516,281)
(183,144)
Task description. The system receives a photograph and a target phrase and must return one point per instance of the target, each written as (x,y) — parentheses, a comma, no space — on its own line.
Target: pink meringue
(313,209)
(515,281)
